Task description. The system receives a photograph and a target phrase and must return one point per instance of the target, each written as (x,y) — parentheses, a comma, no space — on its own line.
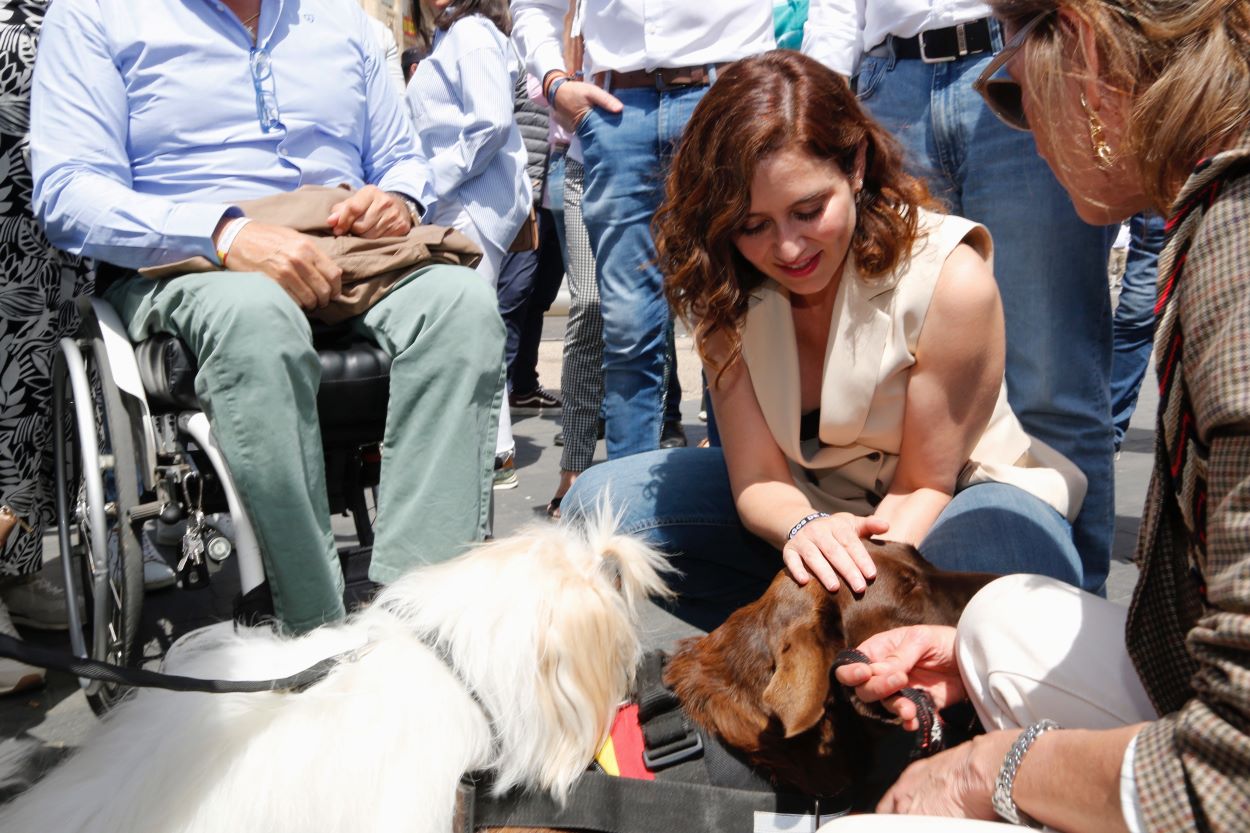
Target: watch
(414,208)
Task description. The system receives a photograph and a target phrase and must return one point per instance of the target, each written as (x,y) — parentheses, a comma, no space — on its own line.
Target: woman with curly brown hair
(853,339)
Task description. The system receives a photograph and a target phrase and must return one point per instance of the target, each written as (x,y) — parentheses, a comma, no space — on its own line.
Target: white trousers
(1030,648)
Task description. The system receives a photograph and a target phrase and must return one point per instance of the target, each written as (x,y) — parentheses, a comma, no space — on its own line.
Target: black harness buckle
(671,754)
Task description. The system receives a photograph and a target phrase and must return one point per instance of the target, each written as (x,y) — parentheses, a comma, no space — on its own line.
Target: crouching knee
(1009,636)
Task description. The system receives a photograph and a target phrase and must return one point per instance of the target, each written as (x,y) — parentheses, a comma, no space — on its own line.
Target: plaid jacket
(1189,624)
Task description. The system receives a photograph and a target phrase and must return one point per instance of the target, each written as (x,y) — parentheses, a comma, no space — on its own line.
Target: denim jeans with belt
(1134,323)
(1051,267)
(626,157)
(680,502)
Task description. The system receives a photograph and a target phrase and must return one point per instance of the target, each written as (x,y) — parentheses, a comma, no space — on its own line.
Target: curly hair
(757,107)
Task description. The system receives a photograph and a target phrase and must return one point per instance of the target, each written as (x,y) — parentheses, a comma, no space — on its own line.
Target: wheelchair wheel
(97,488)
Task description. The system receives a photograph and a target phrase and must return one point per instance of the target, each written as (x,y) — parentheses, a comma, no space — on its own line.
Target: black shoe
(673,436)
(535,400)
(599,427)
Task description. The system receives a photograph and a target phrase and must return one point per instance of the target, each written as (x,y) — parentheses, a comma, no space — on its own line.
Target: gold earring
(1098,138)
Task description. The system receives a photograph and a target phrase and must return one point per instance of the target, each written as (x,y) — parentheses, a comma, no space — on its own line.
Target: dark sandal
(553,507)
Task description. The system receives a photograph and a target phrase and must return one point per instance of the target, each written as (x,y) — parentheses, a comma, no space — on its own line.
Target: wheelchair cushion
(355,379)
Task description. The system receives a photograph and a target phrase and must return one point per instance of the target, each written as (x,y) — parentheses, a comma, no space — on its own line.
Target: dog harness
(656,771)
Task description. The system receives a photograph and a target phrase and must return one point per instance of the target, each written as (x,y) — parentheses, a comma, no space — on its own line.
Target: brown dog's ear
(802,656)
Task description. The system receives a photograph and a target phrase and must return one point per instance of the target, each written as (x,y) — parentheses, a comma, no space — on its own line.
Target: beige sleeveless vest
(872,347)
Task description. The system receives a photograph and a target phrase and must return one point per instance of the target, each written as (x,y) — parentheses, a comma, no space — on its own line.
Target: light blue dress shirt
(146,121)
(462,100)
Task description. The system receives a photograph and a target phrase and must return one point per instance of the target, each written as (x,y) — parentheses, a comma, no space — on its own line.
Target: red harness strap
(621,753)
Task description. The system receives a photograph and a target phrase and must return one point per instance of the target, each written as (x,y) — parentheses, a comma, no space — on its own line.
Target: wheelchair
(133,448)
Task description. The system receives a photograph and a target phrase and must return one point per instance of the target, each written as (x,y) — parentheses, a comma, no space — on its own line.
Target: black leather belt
(948,44)
(663,79)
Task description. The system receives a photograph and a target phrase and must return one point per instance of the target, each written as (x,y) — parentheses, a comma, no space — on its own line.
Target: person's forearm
(537,30)
(833,34)
(770,509)
(83,188)
(1070,780)
(91,215)
(910,514)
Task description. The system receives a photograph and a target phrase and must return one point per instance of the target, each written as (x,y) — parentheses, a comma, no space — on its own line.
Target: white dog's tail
(637,569)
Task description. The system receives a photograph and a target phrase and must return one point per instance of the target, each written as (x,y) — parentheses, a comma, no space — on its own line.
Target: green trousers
(257,381)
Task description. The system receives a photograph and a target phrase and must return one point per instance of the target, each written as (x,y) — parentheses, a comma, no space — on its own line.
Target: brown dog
(763,681)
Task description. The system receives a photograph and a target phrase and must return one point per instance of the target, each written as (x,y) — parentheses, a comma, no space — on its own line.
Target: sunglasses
(1000,91)
(266,96)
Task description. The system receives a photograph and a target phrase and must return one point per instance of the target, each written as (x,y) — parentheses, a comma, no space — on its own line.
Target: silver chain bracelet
(1002,800)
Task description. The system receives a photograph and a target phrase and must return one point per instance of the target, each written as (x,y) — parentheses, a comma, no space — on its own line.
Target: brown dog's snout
(762,681)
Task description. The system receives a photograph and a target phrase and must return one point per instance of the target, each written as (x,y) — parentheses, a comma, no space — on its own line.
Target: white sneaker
(15,676)
(36,603)
(505,471)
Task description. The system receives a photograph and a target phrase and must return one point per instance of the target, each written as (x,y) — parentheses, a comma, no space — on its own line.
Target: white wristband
(228,234)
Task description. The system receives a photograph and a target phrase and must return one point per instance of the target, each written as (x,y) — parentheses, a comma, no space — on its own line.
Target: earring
(1098,138)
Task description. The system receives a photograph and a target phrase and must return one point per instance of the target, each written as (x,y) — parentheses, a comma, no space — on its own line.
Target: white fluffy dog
(536,642)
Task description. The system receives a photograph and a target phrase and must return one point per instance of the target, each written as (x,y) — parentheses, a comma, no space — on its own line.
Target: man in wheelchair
(150,124)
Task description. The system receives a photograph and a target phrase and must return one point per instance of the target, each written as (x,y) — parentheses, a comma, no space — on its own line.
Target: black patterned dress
(38,285)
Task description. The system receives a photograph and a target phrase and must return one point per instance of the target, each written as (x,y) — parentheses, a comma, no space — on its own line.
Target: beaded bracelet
(794,530)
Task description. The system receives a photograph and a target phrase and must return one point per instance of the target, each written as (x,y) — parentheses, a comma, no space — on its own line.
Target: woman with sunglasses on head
(1136,719)
(853,343)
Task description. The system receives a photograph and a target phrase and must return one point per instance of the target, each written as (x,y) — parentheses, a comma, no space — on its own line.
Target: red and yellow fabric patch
(621,754)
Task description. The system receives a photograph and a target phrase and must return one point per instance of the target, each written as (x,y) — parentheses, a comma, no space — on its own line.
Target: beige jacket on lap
(371,268)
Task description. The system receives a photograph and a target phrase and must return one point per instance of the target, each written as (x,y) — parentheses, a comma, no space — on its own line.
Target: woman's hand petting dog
(919,656)
(831,547)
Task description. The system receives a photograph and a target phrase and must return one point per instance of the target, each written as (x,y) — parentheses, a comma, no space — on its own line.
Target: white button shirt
(839,32)
(625,35)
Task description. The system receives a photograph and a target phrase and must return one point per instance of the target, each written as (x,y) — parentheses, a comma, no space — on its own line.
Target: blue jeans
(1051,267)
(528,284)
(679,501)
(555,193)
(1134,323)
(626,157)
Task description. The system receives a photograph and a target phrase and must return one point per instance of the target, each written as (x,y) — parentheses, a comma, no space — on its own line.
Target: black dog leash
(12,648)
(929,739)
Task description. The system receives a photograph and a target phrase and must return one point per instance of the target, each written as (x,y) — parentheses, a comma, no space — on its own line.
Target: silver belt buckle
(924,47)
